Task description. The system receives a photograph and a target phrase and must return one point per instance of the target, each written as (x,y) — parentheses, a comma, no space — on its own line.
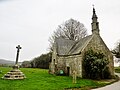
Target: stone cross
(18,49)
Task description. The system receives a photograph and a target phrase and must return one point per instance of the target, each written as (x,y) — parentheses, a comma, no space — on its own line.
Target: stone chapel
(68,55)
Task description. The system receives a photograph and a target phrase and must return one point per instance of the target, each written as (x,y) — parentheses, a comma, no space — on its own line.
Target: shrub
(95,65)
(42,61)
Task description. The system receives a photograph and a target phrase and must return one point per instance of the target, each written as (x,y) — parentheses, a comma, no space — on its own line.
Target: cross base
(15,73)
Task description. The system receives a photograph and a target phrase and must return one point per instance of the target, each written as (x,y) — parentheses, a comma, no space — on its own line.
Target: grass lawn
(39,79)
(117,69)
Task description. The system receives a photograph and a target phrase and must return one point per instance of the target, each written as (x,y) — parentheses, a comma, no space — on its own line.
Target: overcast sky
(31,22)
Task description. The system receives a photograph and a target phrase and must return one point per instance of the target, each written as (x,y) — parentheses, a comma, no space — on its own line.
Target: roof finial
(93,5)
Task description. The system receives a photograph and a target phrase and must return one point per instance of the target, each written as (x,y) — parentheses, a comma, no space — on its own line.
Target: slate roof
(63,46)
(70,47)
(78,46)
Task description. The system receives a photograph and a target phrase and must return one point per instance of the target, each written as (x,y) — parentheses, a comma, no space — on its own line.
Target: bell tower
(95,23)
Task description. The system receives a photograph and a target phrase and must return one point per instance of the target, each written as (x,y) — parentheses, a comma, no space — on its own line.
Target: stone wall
(70,63)
(97,44)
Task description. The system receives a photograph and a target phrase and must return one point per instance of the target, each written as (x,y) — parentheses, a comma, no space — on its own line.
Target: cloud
(31,22)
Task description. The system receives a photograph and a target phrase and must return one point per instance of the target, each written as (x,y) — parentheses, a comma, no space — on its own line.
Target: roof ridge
(79,44)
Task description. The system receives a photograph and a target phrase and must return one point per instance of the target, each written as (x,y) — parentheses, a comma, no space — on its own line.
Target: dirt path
(114,86)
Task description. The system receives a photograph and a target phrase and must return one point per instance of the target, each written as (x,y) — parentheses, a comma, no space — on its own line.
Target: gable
(97,44)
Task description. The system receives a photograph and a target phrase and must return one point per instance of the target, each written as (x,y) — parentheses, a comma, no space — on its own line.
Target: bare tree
(117,48)
(71,29)
(116,51)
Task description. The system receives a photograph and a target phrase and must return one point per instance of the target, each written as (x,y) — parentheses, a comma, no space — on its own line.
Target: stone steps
(14,74)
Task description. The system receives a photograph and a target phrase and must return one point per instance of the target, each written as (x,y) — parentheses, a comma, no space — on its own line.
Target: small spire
(94,14)
(93,9)
(95,23)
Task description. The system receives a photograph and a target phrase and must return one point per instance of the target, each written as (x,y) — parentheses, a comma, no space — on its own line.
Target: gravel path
(114,86)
